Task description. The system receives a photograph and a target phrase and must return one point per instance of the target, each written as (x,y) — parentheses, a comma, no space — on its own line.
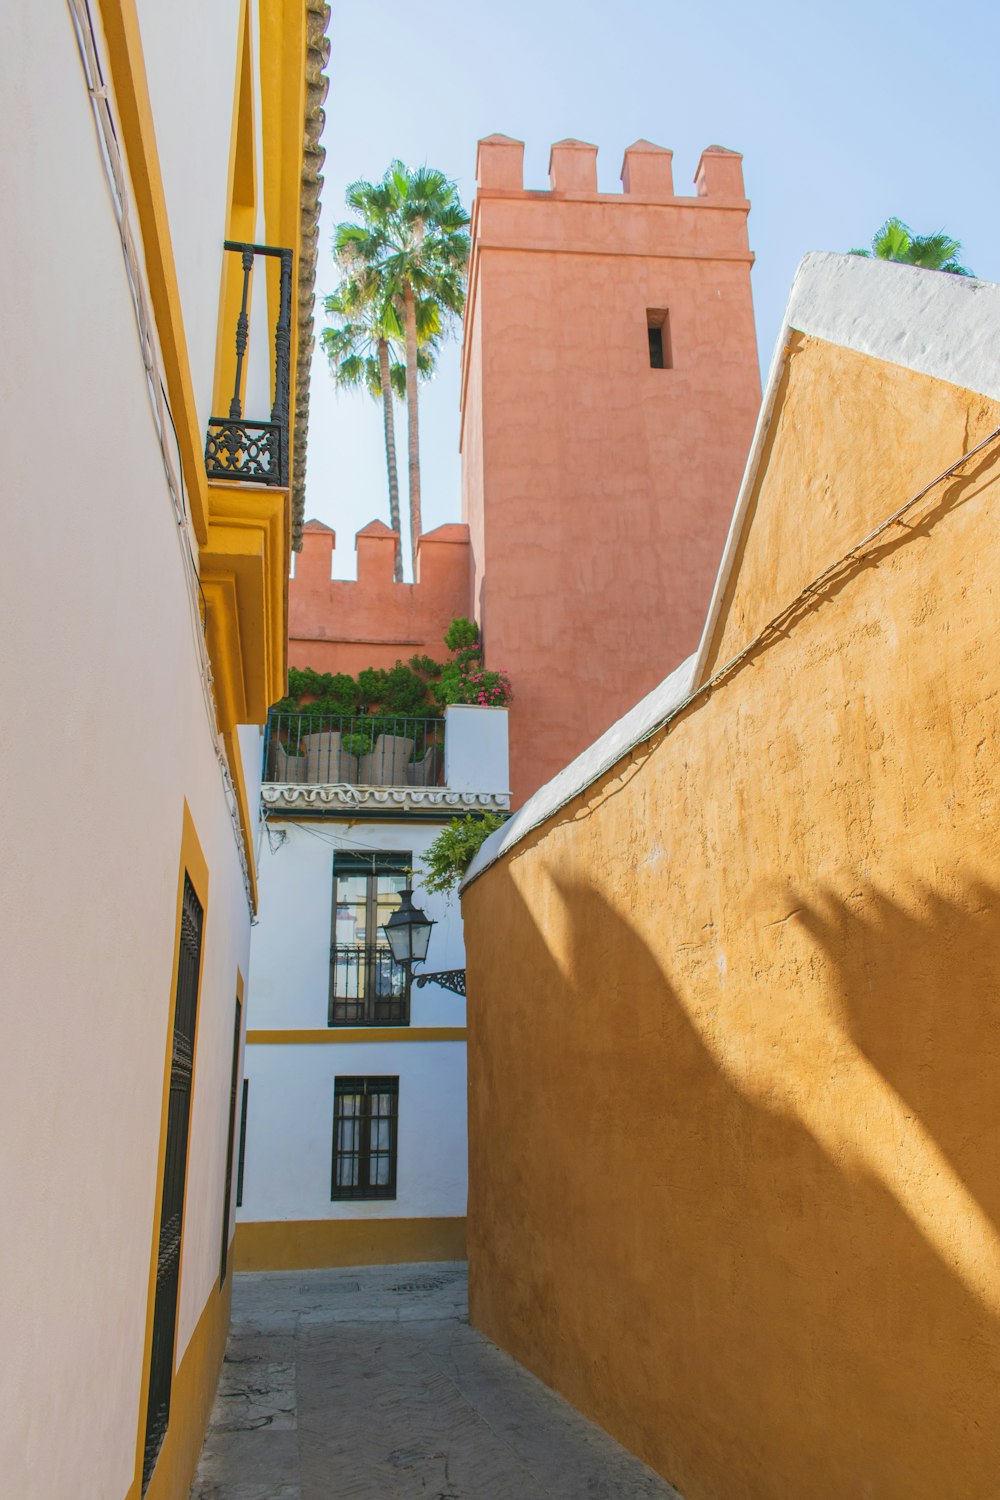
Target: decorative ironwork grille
(161,1358)
(358,750)
(246,448)
(368,987)
(365,1119)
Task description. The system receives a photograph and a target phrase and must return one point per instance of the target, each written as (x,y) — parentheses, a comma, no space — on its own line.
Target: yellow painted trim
(192,863)
(241,214)
(351,1034)
(248,824)
(308,1244)
(244,567)
(283,53)
(135,120)
(191,1398)
(245,583)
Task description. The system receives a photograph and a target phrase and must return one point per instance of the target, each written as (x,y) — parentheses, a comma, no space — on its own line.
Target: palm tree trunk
(390,456)
(410,331)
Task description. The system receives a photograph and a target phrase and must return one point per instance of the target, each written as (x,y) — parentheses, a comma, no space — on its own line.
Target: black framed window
(367,986)
(365,1119)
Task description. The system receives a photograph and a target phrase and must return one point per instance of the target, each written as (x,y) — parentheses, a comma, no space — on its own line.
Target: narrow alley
(369,1384)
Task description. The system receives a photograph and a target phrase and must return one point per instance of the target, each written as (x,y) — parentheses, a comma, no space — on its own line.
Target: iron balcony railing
(368,987)
(248,448)
(363,750)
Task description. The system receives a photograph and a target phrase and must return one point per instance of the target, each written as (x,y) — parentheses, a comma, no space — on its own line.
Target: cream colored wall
(743,990)
(190,51)
(104,735)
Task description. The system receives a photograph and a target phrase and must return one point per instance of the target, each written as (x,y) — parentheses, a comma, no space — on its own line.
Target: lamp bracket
(448,979)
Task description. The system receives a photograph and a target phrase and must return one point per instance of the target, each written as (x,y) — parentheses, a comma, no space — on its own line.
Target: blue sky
(845,114)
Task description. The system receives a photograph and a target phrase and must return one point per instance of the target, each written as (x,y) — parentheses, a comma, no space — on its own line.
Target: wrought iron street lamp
(408,933)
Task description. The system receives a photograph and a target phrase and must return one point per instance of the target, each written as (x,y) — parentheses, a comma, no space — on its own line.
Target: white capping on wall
(930,322)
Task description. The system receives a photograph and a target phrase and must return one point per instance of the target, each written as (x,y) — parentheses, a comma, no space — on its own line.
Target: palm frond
(892,241)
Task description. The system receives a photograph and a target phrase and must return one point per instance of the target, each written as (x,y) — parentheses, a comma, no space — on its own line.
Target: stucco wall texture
(734,1042)
(597,489)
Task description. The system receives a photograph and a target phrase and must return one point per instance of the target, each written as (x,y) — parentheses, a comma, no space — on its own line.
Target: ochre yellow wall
(305,1244)
(734,1036)
(853,438)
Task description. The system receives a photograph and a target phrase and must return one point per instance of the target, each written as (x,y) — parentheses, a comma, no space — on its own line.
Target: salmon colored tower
(609,394)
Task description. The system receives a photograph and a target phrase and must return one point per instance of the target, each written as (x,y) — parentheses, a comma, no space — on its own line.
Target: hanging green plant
(452,852)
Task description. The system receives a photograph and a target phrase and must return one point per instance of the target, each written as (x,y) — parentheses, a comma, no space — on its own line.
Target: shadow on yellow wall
(756,1241)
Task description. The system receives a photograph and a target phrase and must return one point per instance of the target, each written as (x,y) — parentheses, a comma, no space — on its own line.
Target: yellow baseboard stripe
(343,1034)
(191,1396)
(309,1244)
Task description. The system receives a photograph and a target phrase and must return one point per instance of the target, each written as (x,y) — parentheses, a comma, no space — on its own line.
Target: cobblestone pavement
(369,1384)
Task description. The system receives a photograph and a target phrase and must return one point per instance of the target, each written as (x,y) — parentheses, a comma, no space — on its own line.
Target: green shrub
(417,689)
(452,852)
(461,633)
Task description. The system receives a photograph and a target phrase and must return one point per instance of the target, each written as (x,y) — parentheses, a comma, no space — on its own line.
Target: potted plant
(387,762)
(289,762)
(330,759)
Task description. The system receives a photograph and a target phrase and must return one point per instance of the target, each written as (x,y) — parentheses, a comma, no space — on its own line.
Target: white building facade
(143,599)
(353,1145)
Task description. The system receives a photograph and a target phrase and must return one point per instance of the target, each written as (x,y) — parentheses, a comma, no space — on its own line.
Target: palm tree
(413,236)
(360,344)
(932,252)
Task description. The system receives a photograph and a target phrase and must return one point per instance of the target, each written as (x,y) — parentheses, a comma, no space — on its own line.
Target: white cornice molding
(300,797)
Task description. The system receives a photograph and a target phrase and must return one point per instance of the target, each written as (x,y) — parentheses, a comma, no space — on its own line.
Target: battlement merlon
(500,163)
(648,170)
(573,167)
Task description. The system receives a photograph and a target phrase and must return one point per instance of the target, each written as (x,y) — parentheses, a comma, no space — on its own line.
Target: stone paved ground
(369,1384)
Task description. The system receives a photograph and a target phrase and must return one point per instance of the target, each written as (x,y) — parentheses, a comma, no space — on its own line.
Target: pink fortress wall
(598,491)
(336,625)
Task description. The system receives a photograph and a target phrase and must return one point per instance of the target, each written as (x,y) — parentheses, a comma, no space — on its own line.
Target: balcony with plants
(394,727)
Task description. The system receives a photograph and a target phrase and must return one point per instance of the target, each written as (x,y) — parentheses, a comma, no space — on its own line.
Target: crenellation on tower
(375,545)
(500,163)
(647,170)
(720,174)
(573,167)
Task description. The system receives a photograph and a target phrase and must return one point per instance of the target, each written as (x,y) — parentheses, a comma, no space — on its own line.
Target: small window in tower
(658,328)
